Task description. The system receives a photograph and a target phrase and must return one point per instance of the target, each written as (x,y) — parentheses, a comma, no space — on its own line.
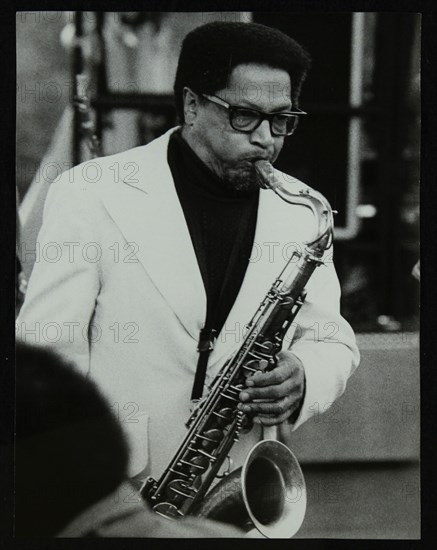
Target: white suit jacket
(117,290)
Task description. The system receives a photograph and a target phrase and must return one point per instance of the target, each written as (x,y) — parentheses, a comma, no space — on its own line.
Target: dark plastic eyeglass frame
(263,116)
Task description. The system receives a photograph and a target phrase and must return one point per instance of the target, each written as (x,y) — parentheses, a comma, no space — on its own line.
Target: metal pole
(77,68)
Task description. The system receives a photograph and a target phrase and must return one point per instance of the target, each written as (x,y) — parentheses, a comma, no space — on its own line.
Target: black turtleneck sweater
(221,225)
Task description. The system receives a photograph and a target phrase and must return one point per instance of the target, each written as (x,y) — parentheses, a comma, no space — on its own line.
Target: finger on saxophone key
(244,396)
(252,380)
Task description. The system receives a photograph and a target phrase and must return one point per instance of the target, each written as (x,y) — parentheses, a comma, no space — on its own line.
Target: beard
(241,179)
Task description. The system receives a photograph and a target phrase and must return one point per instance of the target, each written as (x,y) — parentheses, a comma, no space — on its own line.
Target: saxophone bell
(267,493)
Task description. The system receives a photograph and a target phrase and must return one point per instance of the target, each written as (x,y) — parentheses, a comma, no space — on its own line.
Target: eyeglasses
(247,120)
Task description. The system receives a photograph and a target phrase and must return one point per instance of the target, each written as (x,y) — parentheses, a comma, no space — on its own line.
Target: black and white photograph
(217,290)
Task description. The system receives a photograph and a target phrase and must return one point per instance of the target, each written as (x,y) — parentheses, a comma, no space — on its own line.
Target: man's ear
(191,104)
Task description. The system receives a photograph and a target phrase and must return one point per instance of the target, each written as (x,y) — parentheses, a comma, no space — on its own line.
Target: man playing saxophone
(159,273)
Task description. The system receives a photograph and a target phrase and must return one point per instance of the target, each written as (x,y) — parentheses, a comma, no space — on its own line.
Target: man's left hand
(271,397)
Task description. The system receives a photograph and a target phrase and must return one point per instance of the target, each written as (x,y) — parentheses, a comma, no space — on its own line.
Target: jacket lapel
(148,213)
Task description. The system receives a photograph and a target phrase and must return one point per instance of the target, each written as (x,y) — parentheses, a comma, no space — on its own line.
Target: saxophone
(257,496)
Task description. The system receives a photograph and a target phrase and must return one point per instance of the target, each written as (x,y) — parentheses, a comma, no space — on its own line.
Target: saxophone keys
(266,346)
(210,457)
(179,488)
(167,510)
(246,425)
(237,389)
(197,465)
(228,469)
(251,366)
(210,439)
(224,416)
(148,487)
(178,473)
(256,365)
(230,397)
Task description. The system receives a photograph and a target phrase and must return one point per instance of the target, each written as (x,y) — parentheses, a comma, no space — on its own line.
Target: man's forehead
(258,86)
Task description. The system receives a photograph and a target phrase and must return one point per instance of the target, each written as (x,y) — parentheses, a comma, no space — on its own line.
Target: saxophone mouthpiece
(266,175)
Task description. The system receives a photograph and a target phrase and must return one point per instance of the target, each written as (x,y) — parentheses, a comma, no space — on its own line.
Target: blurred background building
(360,146)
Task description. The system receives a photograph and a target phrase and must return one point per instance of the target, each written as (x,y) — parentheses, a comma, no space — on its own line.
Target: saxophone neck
(269,178)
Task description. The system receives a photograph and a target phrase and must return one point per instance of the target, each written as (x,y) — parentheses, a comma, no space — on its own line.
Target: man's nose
(263,135)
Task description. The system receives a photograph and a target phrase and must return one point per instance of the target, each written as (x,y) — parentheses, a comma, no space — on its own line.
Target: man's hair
(70,451)
(209,54)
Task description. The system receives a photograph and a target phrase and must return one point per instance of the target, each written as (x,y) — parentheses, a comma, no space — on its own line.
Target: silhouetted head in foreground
(70,450)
